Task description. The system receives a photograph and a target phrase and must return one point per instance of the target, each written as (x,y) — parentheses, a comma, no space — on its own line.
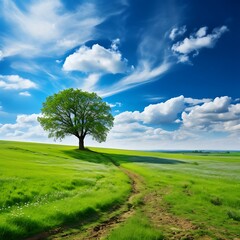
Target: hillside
(58,192)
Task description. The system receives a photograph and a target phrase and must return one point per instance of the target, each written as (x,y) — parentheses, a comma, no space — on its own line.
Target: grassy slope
(48,185)
(203,188)
(44,186)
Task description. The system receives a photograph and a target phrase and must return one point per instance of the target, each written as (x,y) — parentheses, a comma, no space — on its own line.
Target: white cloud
(96,60)
(26,120)
(25,94)
(127,117)
(218,105)
(165,112)
(2,112)
(197,41)
(15,82)
(153,58)
(217,115)
(176,32)
(115,44)
(90,82)
(183,59)
(116,104)
(25,128)
(153,98)
(136,135)
(1,55)
(144,73)
(162,113)
(201,32)
(194,101)
(197,126)
(46,27)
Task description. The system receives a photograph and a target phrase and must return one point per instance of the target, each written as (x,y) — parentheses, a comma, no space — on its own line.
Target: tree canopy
(78,113)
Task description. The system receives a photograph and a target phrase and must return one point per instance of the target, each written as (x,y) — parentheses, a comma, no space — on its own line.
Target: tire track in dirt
(102,230)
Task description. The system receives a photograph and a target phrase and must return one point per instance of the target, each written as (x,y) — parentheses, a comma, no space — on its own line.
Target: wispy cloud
(141,75)
(43,28)
(90,82)
(152,54)
(177,32)
(113,105)
(25,94)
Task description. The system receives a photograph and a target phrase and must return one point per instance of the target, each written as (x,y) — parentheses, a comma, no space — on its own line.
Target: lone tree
(78,113)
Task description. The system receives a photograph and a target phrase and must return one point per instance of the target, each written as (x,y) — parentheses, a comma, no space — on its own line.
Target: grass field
(44,186)
(201,188)
(182,195)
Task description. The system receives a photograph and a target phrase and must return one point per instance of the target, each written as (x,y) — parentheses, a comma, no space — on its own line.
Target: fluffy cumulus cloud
(96,59)
(26,127)
(196,122)
(165,112)
(15,82)
(198,40)
(218,115)
(201,114)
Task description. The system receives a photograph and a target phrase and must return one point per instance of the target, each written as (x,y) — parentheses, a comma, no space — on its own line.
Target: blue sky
(169,69)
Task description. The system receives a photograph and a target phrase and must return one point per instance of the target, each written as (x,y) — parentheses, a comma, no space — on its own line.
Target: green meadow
(179,195)
(45,186)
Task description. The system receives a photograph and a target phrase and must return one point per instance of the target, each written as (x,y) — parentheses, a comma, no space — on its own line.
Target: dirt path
(172,226)
(102,230)
(112,220)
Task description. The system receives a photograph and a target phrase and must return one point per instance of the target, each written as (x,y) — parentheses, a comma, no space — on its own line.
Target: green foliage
(78,113)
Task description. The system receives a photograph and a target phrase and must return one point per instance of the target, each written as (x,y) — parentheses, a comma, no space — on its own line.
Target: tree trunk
(81,143)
